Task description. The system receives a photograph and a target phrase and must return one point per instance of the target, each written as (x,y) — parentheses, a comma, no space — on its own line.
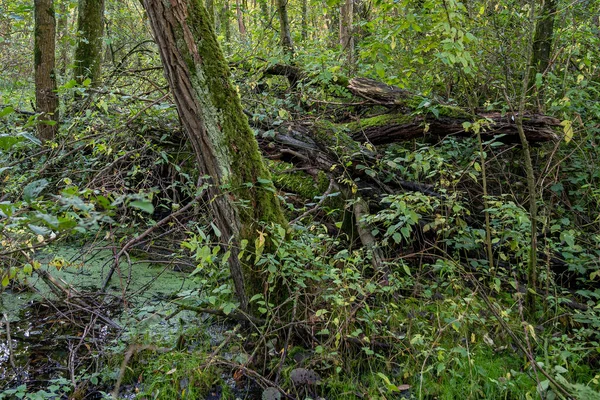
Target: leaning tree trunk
(46,98)
(218,130)
(88,53)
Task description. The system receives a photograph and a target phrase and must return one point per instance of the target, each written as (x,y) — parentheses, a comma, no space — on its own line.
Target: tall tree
(240,19)
(62,33)
(542,40)
(46,98)
(218,130)
(304,19)
(88,53)
(284,28)
(346,36)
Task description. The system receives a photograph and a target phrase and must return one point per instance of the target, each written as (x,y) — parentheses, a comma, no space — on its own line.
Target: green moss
(380,120)
(334,135)
(294,181)
(88,53)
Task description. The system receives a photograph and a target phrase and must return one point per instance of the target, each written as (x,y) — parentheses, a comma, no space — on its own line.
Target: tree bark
(240,19)
(218,130)
(346,36)
(542,41)
(88,53)
(304,19)
(46,97)
(210,9)
(284,29)
(63,33)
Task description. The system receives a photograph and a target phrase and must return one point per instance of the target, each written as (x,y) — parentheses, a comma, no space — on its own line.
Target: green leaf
(380,70)
(538,80)
(33,190)
(27,269)
(217,231)
(264,181)
(8,141)
(6,111)
(71,84)
(143,205)
(39,230)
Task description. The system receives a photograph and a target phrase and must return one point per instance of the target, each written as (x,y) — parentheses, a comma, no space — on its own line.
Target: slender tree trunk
(304,19)
(542,42)
(218,130)
(225,26)
(264,11)
(46,98)
(63,34)
(240,19)
(284,28)
(346,36)
(88,53)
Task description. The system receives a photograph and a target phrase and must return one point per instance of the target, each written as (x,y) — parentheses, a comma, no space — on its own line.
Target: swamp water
(54,345)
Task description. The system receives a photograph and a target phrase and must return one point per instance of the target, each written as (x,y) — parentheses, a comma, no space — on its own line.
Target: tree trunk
(264,11)
(284,28)
(304,19)
(346,36)
(542,41)
(88,53)
(225,25)
(218,130)
(210,9)
(240,19)
(63,35)
(46,98)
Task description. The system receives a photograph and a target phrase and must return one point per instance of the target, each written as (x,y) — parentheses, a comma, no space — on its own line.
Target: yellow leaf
(567,129)
(393,44)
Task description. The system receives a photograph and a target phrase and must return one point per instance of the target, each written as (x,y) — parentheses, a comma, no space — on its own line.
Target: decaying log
(412,116)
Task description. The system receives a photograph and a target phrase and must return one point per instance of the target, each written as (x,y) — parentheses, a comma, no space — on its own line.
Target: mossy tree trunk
(284,29)
(88,52)
(542,42)
(46,98)
(218,130)
(210,9)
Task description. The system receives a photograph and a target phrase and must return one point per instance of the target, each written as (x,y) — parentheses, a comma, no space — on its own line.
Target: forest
(300,199)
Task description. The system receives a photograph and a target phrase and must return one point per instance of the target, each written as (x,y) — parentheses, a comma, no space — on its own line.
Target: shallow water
(52,340)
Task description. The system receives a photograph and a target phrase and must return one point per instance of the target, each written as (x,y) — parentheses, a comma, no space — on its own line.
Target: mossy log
(412,116)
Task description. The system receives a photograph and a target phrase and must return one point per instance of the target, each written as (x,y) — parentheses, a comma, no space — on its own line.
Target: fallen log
(412,116)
